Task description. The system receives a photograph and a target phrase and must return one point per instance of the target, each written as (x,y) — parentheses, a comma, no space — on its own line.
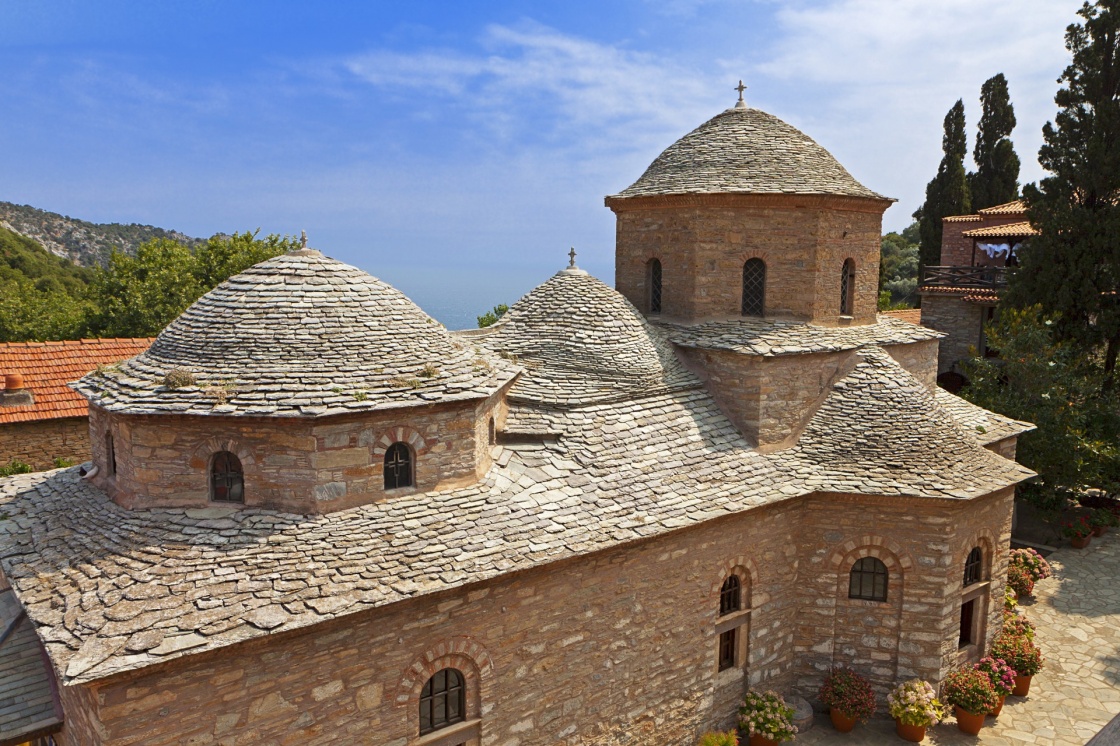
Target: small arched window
(443,701)
(868,580)
(972,567)
(754,287)
(110,455)
(227,480)
(847,287)
(730,595)
(655,286)
(398,466)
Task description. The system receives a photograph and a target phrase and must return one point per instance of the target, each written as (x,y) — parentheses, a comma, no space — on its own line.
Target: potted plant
(1101,520)
(914,706)
(1019,580)
(1010,599)
(1022,655)
(1032,561)
(1079,532)
(719,739)
(766,718)
(1017,625)
(1002,677)
(849,697)
(972,695)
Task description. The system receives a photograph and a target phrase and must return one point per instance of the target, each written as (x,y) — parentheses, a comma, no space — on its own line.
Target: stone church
(315,516)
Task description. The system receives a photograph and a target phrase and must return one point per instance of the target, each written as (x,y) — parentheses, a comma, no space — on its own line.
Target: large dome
(746,151)
(299,334)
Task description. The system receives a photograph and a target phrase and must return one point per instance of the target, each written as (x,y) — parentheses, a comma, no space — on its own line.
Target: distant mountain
(84,243)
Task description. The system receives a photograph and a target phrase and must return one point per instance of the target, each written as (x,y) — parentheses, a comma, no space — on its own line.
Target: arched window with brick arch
(227,478)
(398,466)
(443,701)
(653,277)
(754,288)
(730,601)
(847,287)
(868,580)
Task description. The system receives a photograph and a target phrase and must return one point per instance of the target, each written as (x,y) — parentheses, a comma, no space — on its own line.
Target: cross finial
(303,239)
(740,104)
(572,258)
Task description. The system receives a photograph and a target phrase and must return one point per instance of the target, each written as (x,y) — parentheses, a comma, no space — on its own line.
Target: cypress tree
(1073,267)
(947,193)
(996,180)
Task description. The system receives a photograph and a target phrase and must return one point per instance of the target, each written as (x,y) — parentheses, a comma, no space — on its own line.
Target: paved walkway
(1077,693)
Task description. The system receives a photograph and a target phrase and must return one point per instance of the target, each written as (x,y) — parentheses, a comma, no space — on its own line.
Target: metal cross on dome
(740,88)
(572,258)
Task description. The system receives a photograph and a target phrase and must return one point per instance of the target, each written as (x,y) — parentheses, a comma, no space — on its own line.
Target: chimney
(14,393)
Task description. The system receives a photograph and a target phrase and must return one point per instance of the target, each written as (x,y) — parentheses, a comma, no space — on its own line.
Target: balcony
(966,277)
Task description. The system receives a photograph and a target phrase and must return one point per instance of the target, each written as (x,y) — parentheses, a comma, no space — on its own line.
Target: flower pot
(1098,530)
(760,740)
(969,723)
(912,733)
(998,708)
(1022,686)
(840,721)
(1080,542)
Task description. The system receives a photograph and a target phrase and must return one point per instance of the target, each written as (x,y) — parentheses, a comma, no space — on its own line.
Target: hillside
(82,242)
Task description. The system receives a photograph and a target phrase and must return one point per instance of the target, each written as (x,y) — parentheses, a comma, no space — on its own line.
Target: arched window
(398,466)
(443,701)
(972,567)
(655,286)
(227,480)
(110,455)
(754,287)
(730,601)
(868,580)
(847,287)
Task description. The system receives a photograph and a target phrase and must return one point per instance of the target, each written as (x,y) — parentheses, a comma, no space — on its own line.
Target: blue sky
(457,149)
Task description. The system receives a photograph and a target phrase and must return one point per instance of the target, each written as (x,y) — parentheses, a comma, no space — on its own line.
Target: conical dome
(581,341)
(299,334)
(746,151)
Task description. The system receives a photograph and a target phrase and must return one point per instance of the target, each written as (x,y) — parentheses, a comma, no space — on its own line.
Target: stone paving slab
(1077,616)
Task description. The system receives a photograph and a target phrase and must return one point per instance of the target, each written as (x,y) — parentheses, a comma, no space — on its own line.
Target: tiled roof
(912,315)
(962,219)
(27,704)
(48,368)
(746,151)
(999,231)
(300,335)
(1014,207)
(987,427)
(984,296)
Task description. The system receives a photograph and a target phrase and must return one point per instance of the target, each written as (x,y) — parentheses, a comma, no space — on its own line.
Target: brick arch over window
(465,655)
(886,551)
(400,434)
(747,572)
(204,452)
(983,539)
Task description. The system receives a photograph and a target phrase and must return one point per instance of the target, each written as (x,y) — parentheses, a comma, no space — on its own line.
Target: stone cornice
(819,201)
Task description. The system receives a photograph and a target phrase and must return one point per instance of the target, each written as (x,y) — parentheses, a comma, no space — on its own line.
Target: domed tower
(301,384)
(747,216)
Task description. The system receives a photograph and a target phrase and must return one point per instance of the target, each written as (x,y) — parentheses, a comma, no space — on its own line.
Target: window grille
(868,580)
(730,595)
(227,480)
(847,287)
(443,701)
(972,567)
(398,466)
(754,288)
(655,286)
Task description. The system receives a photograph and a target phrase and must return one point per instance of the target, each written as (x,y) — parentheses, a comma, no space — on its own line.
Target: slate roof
(987,427)
(911,315)
(28,708)
(299,335)
(1010,230)
(746,151)
(773,338)
(49,367)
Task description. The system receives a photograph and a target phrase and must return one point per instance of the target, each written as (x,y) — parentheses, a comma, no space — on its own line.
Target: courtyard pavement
(1077,616)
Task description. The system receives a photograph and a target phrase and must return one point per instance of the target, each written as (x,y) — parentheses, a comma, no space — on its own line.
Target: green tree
(491,317)
(898,267)
(1073,268)
(40,311)
(947,193)
(996,180)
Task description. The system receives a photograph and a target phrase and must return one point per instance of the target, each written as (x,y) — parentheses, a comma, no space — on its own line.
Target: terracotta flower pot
(969,723)
(998,708)
(912,733)
(1022,686)
(840,721)
(1098,530)
(760,740)
(1080,542)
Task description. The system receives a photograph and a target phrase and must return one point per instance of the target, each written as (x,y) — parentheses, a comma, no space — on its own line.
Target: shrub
(1019,580)
(1101,518)
(767,714)
(971,690)
(719,739)
(847,691)
(915,703)
(178,379)
(1019,653)
(999,673)
(1017,625)
(1032,562)
(62,463)
(1078,528)
(1010,599)
(15,466)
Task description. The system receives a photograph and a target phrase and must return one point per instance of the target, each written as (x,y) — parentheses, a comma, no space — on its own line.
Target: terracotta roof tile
(912,315)
(981,296)
(48,367)
(962,219)
(999,231)
(1007,208)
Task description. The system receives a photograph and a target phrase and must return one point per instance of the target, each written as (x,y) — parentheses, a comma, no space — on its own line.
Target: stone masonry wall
(40,443)
(703,247)
(297,465)
(918,358)
(618,647)
(961,322)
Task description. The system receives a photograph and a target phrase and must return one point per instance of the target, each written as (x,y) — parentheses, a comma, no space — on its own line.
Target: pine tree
(1073,267)
(996,180)
(947,194)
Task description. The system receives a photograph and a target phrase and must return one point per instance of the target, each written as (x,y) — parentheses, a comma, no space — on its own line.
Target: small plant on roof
(1019,580)
(429,371)
(847,691)
(15,466)
(915,703)
(999,673)
(1019,653)
(719,739)
(767,714)
(177,378)
(1032,562)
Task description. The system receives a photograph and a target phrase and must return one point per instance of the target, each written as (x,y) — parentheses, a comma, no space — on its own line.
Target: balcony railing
(966,277)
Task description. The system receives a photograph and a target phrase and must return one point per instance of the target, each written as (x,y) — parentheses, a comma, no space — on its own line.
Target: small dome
(746,151)
(581,341)
(299,334)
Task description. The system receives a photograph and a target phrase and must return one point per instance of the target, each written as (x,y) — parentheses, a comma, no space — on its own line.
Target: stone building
(315,516)
(41,418)
(960,295)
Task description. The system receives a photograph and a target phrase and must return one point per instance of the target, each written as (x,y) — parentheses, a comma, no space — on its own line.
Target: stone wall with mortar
(918,358)
(40,443)
(611,648)
(961,323)
(297,465)
(703,242)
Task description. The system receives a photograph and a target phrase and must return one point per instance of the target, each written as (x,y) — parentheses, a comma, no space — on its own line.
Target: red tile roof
(1011,230)
(1014,207)
(962,219)
(913,315)
(983,297)
(48,367)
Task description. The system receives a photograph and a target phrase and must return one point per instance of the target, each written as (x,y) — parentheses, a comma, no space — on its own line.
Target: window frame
(655,294)
(239,471)
(410,461)
(753,303)
(848,288)
(110,454)
(427,696)
(973,567)
(868,570)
